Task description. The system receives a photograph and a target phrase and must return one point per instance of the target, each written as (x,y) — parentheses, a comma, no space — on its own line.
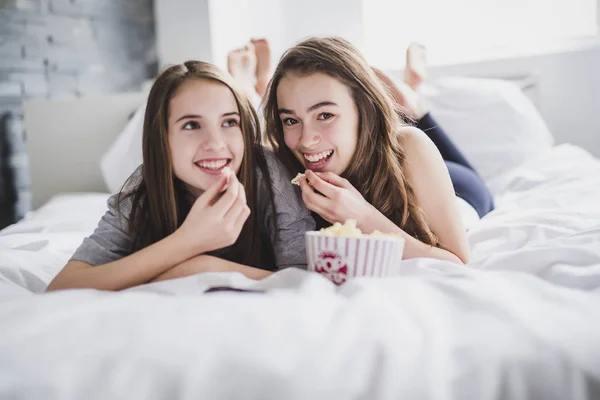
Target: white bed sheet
(522,321)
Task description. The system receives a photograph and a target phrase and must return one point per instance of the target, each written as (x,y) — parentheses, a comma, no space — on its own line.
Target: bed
(521,321)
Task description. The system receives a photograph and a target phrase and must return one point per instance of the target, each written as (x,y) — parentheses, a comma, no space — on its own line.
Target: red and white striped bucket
(343,257)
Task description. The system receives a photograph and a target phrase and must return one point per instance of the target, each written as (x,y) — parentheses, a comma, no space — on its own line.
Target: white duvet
(522,321)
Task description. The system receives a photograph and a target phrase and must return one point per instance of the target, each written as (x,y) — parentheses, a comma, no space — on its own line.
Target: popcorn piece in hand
(296,180)
(226,171)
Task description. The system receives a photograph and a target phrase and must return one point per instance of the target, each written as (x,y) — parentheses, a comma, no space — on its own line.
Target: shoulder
(414,139)
(119,210)
(287,196)
(423,164)
(111,240)
(134,180)
(120,205)
(275,166)
(279,174)
(420,153)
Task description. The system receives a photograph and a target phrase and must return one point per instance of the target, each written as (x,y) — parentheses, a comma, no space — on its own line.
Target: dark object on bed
(230,289)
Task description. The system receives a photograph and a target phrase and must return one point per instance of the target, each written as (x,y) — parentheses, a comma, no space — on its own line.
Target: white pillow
(492,121)
(125,154)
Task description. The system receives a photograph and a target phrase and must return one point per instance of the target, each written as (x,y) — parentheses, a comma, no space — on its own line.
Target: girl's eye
(230,122)
(190,125)
(325,116)
(290,121)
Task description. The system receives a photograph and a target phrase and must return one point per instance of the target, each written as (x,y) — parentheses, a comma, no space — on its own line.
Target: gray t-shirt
(111,240)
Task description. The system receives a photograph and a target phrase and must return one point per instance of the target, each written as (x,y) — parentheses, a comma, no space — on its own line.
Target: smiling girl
(329,115)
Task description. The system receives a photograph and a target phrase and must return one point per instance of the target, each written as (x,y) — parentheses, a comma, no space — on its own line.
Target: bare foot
(416,65)
(408,99)
(263,64)
(241,64)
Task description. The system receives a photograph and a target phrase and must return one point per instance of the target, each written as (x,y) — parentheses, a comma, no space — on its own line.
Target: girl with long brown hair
(327,114)
(182,212)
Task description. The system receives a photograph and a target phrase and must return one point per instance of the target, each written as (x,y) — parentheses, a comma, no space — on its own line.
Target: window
(464,30)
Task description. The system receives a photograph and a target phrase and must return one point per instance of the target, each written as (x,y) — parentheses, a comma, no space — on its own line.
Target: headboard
(67,138)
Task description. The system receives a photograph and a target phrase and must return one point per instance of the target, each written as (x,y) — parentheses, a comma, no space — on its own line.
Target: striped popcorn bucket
(340,258)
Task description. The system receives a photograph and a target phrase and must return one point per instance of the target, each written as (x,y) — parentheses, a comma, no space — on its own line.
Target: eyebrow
(309,109)
(192,116)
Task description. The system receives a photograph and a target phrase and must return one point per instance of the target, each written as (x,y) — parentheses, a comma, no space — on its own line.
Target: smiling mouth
(213,166)
(316,160)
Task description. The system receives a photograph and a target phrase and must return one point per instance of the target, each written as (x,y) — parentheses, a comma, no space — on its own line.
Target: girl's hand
(217,216)
(337,199)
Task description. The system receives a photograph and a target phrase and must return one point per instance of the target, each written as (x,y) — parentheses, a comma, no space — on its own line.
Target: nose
(309,138)
(213,141)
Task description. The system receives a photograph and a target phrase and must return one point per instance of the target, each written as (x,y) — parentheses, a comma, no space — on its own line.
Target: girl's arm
(431,184)
(208,226)
(135,269)
(433,189)
(167,259)
(414,248)
(206,263)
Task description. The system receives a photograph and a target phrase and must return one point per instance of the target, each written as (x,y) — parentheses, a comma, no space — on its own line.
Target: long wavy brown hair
(379,147)
(160,201)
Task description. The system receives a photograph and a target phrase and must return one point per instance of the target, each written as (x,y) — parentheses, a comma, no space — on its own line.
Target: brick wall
(63,49)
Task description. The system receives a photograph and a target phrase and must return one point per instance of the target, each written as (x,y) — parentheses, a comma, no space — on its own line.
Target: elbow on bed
(60,282)
(462,259)
(457,257)
(54,286)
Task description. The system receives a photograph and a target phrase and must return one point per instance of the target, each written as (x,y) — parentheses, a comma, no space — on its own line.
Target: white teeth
(318,157)
(212,164)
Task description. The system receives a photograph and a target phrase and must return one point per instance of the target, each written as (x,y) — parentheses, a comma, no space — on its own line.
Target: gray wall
(64,49)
